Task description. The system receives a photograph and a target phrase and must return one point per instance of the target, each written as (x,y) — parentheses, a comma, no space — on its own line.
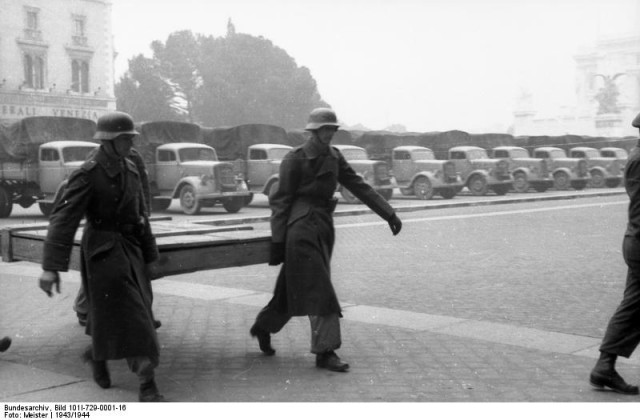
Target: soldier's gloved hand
(47,280)
(277,253)
(395,224)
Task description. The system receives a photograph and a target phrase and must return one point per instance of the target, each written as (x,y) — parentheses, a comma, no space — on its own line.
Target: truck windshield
(354,154)
(77,153)
(278,154)
(423,155)
(519,153)
(197,153)
(477,154)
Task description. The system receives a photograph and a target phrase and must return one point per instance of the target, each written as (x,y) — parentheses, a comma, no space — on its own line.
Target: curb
(429,206)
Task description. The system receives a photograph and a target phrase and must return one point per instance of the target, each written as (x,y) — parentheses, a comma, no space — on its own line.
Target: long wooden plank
(185,249)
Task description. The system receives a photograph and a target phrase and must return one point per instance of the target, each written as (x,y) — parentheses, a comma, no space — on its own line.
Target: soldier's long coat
(301,220)
(113,272)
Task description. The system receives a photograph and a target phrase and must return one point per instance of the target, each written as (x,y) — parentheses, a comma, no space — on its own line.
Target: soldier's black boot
(149,392)
(330,360)
(264,340)
(5,343)
(98,369)
(604,375)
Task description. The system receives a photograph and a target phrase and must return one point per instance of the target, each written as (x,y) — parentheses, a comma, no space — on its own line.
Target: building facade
(607,92)
(56,59)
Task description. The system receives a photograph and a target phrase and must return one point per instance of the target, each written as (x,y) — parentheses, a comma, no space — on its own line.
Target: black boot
(330,360)
(604,375)
(264,340)
(98,369)
(149,392)
(5,343)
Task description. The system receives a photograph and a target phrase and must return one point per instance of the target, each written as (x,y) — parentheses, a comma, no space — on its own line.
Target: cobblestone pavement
(448,311)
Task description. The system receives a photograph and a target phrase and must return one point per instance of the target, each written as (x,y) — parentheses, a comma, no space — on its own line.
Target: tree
(232,80)
(143,93)
(247,79)
(179,62)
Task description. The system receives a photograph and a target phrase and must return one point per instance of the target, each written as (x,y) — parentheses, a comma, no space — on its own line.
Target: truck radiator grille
(226,176)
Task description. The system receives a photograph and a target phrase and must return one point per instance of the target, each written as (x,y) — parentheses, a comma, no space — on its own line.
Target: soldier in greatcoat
(117,245)
(623,331)
(302,235)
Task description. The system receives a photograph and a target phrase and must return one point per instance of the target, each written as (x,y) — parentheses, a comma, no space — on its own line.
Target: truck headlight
(204,179)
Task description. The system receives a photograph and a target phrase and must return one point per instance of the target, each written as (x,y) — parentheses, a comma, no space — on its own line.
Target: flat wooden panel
(183,248)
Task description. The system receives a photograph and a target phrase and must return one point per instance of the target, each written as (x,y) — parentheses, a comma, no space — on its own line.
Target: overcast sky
(430,65)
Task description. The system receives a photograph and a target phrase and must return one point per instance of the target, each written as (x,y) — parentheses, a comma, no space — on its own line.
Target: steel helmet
(636,121)
(320,117)
(113,124)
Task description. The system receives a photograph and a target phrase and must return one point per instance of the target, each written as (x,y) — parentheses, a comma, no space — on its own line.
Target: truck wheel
(597,179)
(422,188)
(478,185)
(520,182)
(188,201)
(6,203)
(561,181)
(233,204)
(248,199)
(387,193)
(348,196)
(612,183)
(448,193)
(160,204)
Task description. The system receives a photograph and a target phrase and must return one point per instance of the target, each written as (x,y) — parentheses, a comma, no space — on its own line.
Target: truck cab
(261,170)
(374,172)
(479,172)
(527,171)
(566,171)
(418,172)
(192,173)
(604,171)
(57,160)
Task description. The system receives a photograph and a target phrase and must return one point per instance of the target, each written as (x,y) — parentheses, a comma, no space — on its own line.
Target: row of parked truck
(181,166)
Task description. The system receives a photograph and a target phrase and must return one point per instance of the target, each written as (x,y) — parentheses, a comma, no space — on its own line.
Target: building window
(79,33)
(34,66)
(32,23)
(80,76)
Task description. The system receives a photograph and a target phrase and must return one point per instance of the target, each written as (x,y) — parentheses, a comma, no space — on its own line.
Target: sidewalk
(207,354)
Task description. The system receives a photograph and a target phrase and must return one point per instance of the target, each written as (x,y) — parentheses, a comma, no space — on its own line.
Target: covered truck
(37,155)
(182,167)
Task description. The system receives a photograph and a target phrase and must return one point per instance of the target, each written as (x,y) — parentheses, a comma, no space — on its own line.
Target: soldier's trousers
(325,330)
(623,332)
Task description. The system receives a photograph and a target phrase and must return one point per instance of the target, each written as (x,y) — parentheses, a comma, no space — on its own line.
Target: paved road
(476,303)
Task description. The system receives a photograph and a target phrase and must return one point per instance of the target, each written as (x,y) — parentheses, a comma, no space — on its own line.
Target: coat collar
(312,150)
(111,164)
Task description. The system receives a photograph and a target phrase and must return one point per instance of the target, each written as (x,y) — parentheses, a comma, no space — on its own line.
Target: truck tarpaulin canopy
(231,143)
(156,133)
(441,141)
(491,140)
(19,140)
(380,143)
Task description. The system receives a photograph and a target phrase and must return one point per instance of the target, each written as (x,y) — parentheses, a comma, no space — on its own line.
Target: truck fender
(523,170)
(267,185)
(427,174)
(194,181)
(480,172)
(599,168)
(564,170)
